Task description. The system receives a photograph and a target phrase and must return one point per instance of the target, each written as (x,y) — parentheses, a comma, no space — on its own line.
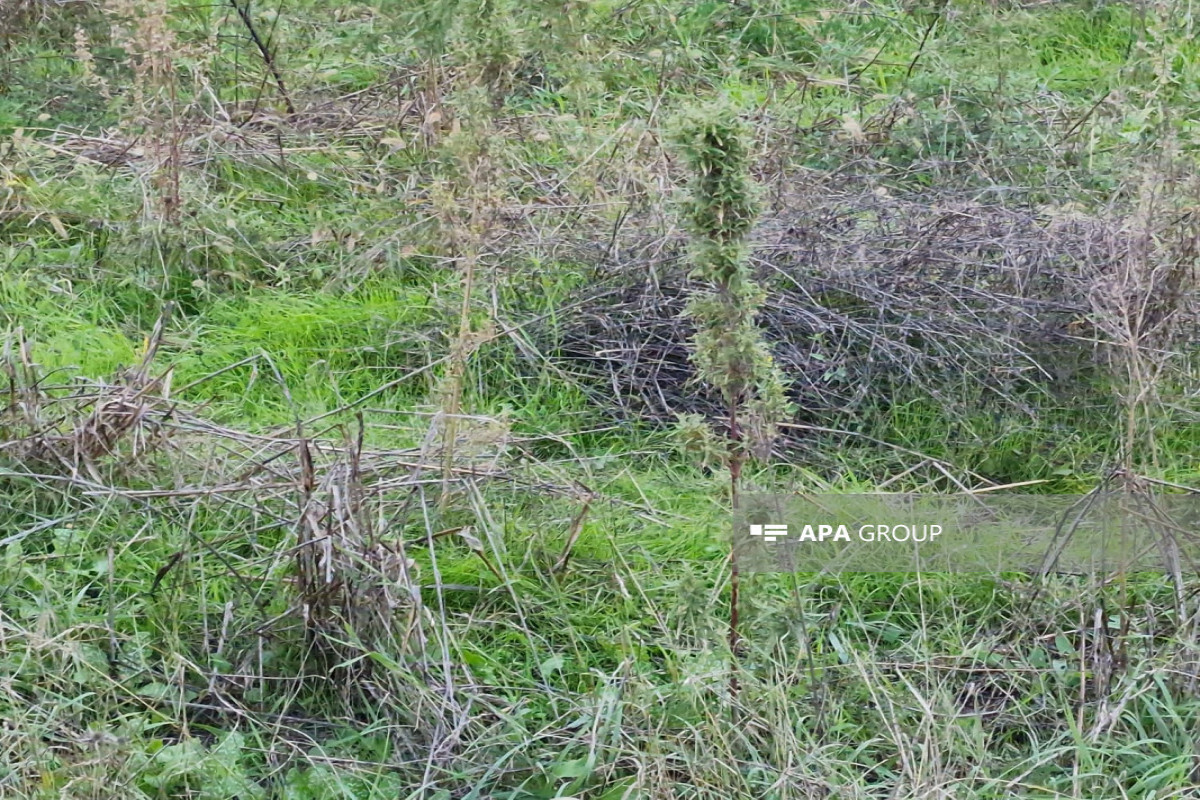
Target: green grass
(157,645)
(627,649)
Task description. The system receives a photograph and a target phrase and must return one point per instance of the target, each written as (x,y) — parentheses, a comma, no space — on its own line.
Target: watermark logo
(1100,532)
(769,533)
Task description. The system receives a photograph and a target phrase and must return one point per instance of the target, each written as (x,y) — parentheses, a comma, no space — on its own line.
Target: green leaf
(157,691)
(553,664)
(576,768)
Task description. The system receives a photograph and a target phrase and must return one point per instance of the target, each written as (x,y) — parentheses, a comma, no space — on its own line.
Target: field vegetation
(378,379)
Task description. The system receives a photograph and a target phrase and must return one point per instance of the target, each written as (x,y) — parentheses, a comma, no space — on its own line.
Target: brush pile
(871,296)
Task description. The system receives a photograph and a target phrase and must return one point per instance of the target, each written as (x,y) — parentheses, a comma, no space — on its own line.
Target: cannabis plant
(728,350)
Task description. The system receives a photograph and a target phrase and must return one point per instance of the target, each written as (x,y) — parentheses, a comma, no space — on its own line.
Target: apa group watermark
(967,533)
(841,533)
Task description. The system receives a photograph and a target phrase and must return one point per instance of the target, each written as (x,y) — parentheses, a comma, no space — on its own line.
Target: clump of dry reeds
(73,430)
(141,29)
(1143,305)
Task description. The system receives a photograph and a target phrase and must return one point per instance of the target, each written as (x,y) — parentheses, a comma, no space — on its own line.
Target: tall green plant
(728,350)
